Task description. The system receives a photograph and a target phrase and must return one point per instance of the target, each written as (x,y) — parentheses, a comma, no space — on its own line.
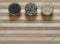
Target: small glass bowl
(47,8)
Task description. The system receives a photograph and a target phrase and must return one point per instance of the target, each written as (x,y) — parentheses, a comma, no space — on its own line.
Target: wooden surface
(46,33)
(28,0)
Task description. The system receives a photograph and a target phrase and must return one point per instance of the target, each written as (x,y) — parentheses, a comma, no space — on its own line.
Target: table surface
(29,30)
(28,0)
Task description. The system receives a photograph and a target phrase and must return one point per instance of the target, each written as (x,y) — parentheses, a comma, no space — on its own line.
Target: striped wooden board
(29,30)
